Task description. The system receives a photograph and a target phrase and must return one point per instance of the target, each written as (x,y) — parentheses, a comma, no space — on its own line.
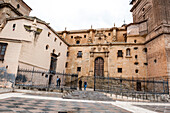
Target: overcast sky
(81,14)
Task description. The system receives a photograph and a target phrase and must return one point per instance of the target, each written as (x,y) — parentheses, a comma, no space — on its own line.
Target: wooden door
(99,67)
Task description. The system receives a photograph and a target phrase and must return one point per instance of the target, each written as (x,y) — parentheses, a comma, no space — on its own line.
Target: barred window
(3,47)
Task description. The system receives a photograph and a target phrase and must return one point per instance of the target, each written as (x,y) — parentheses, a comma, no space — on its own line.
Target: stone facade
(105,44)
(139,49)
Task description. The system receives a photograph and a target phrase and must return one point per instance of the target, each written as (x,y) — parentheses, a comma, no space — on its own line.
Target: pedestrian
(85,85)
(80,84)
(57,81)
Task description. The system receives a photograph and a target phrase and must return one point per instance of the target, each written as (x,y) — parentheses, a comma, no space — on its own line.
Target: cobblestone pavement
(156,108)
(25,105)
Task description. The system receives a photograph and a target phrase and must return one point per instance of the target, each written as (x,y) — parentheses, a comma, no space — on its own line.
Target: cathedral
(138,49)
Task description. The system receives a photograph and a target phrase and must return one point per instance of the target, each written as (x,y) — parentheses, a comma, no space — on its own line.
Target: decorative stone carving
(34,29)
(90,40)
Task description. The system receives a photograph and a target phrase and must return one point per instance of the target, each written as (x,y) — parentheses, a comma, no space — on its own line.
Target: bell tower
(13,8)
(156,16)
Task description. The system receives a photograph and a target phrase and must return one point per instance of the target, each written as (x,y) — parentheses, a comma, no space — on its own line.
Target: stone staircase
(87,95)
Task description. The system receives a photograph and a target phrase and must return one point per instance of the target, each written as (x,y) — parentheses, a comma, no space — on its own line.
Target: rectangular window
(2,50)
(119,70)
(67,54)
(66,65)
(120,53)
(84,36)
(79,54)
(78,69)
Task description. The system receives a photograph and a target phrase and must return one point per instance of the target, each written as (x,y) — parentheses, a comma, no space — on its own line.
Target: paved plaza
(27,103)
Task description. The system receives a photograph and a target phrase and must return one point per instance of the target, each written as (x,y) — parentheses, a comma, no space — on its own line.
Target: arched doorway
(99,67)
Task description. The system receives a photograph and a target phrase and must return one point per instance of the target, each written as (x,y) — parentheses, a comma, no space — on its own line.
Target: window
(120,53)
(135,41)
(128,52)
(137,71)
(78,42)
(66,65)
(49,34)
(18,6)
(119,70)
(55,39)
(67,54)
(13,27)
(155,61)
(145,64)
(109,34)
(145,50)
(71,36)
(47,46)
(136,63)
(2,50)
(135,48)
(136,56)
(78,69)
(60,43)
(79,54)
(143,9)
(84,36)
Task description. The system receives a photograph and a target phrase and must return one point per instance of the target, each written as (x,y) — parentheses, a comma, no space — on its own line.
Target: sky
(81,14)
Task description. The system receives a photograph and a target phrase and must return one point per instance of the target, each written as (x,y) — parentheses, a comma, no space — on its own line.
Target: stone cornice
(88,30)
(109,44)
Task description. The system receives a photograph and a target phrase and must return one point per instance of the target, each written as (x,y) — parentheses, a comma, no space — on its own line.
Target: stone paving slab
(156,108)
(26,105)
(88,95)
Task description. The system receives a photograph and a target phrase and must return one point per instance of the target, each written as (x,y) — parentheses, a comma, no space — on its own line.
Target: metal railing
(31,79)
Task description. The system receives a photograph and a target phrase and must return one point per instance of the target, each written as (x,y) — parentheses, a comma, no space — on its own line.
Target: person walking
(85,85)
(57,81)
(80,84)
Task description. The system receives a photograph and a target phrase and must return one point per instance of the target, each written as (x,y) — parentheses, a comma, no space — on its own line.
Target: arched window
(128,52)
(78,42)
(47,47)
